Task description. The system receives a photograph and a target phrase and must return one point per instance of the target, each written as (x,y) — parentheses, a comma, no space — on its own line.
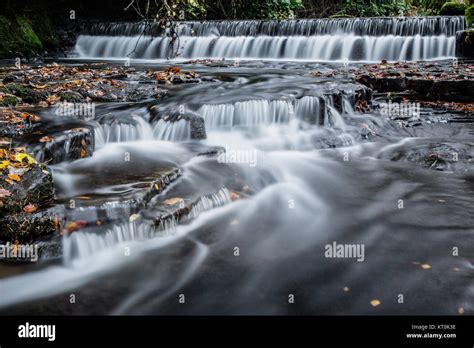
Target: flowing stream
(370,39)
(308,171)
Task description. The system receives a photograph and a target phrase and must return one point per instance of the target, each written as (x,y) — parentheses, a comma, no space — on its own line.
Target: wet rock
(198,127)
(10,78)
(435,155)
(165,212)
(197,123)
(72,97)
(448,81)
(27,94)
(14,124)
(70,145)
(465,44)
(29,191)
(26,228)
(385,84)
(35,187)
(449,90)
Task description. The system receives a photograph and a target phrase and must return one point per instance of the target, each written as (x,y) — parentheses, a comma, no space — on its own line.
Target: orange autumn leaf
(46,139)
(234,196)
(83,149)
(30,208)
(15,177)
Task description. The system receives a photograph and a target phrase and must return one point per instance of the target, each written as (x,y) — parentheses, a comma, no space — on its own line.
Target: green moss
(9,101)
(28,95)
(23,36)
(452,8)
(7,38)
(44,29)
(469,16)
(30,40)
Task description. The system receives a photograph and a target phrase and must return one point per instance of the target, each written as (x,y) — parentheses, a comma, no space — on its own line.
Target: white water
(121,132)
(85,244)
(172,131)
(365,39)
(334,47)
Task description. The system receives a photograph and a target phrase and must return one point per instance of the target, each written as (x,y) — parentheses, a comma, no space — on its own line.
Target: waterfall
(172,131)
(83,244)
(360,39)
(117,131)
(404,26)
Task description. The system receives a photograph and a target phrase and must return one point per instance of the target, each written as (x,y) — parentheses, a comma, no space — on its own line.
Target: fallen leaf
(72,226)
(4,193)
(46,139)
(56,222)
(133,217)
(83,149)
(4,164)
(425,266)
(173,201)
(375,303)
(234,196)
(15,177)
(30,208)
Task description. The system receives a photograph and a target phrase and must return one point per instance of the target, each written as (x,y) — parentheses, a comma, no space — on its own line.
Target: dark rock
(35,187)
(465,44)
(27,94)
(72,97)
(385,84)
(197,123)
(71,145)
(448,90)
(10,78)
(198,127)
(25,227)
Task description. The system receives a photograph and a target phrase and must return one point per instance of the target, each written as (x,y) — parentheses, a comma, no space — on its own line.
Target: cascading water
(172,131)
(299,169)
(116,131)
(368,39)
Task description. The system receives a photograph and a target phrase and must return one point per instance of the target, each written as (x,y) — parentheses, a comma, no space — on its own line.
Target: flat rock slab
(428,81)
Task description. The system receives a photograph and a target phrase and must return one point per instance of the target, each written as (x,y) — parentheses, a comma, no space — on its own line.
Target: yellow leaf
(425,266)
(173,201)
(133,217)
(375,303)
(19,157)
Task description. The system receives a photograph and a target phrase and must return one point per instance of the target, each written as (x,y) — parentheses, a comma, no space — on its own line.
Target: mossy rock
(21,36)
(469,13)
(9,100)
(452,9)
(72,97)
(30,39)
(27,94)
